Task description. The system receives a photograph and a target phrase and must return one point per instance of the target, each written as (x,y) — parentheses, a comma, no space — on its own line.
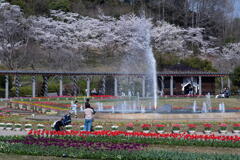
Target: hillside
(106,35)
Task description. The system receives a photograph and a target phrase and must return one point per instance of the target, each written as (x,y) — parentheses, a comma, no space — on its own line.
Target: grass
(28,157)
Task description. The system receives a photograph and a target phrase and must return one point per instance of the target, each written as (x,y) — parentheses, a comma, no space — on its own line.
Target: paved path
(12,133)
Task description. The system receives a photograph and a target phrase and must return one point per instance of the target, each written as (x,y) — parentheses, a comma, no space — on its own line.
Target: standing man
(74,108)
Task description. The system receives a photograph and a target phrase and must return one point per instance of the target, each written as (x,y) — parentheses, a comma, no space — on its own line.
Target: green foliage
(198,63)
(63,5)
(230,39)
(53,87)
(163,60)
(24,91)
(20,3)
(235,76)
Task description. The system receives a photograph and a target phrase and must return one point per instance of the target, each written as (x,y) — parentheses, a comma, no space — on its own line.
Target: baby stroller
(66,120)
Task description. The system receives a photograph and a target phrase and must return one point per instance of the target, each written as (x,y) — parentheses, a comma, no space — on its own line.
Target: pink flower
(160,125)
(222,125)
(146,126)
(192,125)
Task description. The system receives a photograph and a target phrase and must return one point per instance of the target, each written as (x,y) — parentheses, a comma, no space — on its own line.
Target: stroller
(66,120)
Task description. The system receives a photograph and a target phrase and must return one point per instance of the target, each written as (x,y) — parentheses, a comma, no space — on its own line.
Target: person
(74,108)
(94,91)
(226,93)
(88,104)
(88,116)
(66,120)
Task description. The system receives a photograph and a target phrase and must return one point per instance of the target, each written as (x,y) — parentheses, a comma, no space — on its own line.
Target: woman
(88,115)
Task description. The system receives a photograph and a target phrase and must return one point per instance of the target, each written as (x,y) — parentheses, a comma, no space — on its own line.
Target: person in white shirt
(74,108)
(88,114)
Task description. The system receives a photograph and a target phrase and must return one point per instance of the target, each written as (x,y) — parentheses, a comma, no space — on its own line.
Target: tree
(14,30)
(198,63)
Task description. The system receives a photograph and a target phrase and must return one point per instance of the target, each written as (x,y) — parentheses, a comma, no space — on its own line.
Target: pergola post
(115,86)
(200,84)
(143,86)
(171,86)
(33,86)
(74,80)
(6,86)
(45,86)
(104,85)
(229,83)
(17,85)
(88,86)
(162,84)
(60,85)
(221,83)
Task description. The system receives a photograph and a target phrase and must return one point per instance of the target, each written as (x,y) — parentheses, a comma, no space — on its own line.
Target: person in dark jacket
(66,120)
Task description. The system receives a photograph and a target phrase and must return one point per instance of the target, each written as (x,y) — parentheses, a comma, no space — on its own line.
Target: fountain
(204,108)
(194,107)
(222,107)
(140,58)
(208,102)
(152,68)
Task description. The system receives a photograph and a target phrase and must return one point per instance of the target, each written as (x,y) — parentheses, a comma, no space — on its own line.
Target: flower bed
(148,138)
(34,146)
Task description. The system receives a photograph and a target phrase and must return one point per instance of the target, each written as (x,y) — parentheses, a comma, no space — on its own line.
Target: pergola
(116,75)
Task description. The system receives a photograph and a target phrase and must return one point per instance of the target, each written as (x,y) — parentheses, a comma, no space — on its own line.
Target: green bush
(198,63)
(53,87)
(63,5)
(25,91)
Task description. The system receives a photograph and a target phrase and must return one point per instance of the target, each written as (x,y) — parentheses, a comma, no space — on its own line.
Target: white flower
(98,127)
(68,127)
(81,127)
(2,124)
(115,127)
(9,125)
(17,125)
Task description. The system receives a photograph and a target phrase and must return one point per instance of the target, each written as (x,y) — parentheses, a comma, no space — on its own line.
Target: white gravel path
(12,133)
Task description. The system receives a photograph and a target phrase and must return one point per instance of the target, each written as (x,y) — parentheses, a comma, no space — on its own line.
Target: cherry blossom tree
(13,35)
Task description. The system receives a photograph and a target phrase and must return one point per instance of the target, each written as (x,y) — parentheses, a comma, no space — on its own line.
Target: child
(74,108)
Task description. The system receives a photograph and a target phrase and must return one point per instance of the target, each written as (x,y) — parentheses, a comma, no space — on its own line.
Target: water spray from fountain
(139,57)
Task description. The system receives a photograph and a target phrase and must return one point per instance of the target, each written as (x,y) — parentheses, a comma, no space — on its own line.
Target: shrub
(207,126)
(146,127)
(222,126)
(236,126)
(192,127)
(160,127)
(63,5)
(129,126)
(176,127)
